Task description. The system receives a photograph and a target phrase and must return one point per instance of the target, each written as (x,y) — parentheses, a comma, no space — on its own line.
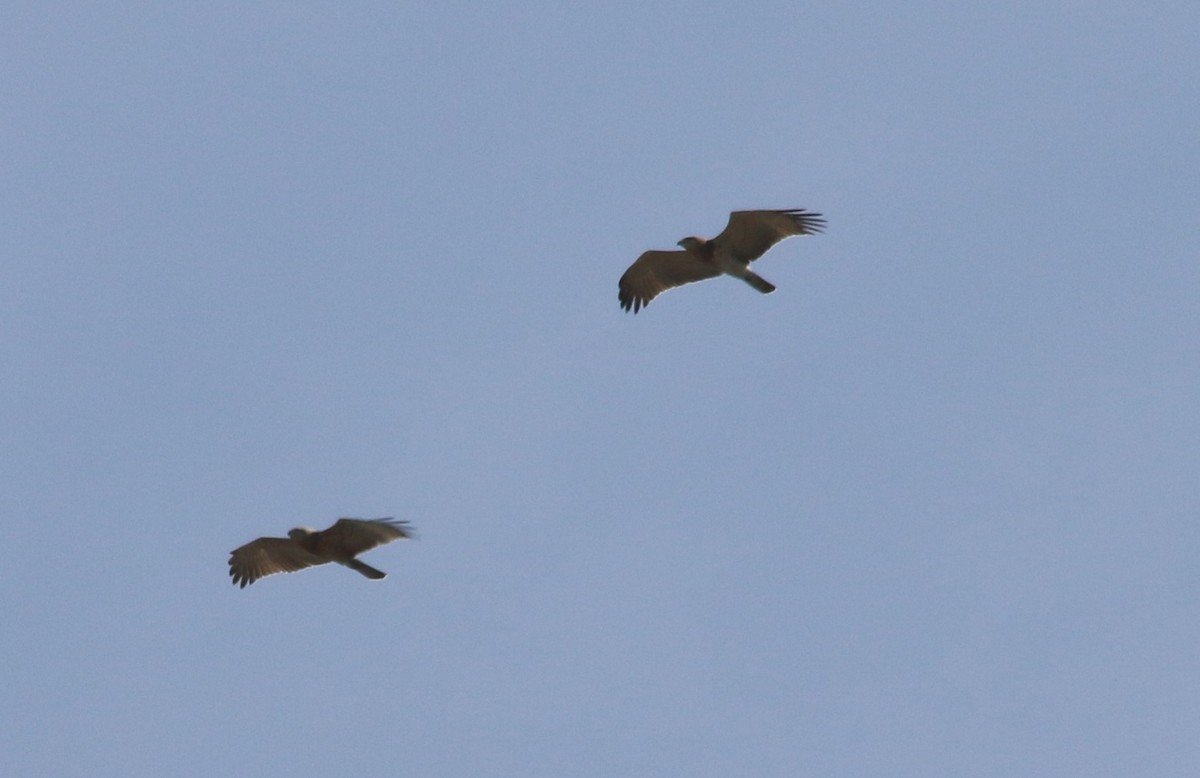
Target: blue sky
(929,509)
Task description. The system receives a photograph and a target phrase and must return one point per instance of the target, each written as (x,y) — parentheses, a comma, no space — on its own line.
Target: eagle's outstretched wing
(267,556)
(750,234)
(350,537)
(655,272)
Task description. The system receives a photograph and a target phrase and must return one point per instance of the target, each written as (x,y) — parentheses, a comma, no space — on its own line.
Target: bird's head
(300,532)
(691,244)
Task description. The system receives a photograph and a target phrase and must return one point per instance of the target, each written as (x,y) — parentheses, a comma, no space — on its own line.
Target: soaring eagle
(304,547)
(747,237)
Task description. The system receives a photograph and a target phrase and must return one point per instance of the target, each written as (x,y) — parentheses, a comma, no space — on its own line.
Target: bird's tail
(366,570)
(758,282)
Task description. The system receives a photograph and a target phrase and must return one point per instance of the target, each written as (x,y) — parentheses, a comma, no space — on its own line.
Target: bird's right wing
(267,556)
(655,272)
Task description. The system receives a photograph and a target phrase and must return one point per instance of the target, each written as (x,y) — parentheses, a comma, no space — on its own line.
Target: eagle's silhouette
(747,237)
(304,547)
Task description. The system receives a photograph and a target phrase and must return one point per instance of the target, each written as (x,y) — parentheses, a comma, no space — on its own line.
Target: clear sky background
(929,509)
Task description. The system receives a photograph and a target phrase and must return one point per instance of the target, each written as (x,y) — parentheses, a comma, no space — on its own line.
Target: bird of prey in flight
(304,547)
(747,237)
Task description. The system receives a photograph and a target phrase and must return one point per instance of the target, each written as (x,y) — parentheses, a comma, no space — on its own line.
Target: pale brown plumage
(748,236)
(304,547)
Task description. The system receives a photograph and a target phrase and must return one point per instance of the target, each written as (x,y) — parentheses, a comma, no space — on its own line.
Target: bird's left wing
(750,234)
(355,536)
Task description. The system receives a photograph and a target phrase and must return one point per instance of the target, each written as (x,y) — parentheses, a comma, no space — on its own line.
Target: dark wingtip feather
(806,220)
